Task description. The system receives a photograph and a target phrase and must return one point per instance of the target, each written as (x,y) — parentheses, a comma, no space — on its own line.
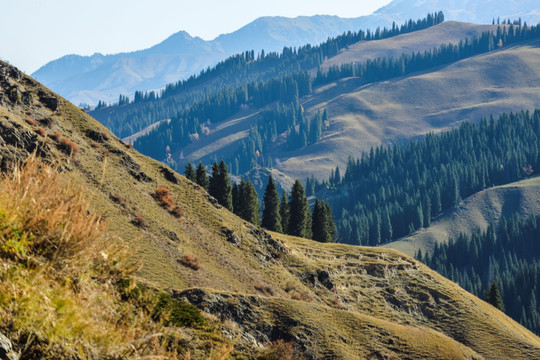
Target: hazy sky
(34,32)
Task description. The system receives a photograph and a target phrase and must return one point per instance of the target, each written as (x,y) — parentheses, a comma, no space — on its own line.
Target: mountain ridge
(275,33)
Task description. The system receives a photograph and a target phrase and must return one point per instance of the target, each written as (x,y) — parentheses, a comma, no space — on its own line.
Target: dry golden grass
(60,276)
(356,310)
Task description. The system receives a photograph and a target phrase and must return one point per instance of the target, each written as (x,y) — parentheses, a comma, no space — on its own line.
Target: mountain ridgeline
(229,76)
(393,191)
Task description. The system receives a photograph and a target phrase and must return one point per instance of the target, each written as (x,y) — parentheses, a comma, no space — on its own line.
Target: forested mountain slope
(476,211)
(362,115)
(327,300)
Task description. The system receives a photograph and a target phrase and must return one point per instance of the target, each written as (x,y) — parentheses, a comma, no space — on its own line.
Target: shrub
(190,261)
(68,146)
(139,221)
(264,289)
(59,230)
(177,211)
(176,312)
(278,350)
(117,199)
(31,121)
(56,136)
(41,131)
(163,196)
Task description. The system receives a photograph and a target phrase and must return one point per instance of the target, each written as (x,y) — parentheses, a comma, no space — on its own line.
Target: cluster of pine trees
(289,118)
(236,72)
(507,255)
(392,191)
(290,215)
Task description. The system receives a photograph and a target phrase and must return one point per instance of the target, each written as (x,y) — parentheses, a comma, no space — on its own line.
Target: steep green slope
(476,211)
(329,301)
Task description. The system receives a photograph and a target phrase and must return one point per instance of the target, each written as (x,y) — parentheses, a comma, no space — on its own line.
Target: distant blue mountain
(88,79)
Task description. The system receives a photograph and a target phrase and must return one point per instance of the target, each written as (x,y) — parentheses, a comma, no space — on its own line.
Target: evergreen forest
(506,256)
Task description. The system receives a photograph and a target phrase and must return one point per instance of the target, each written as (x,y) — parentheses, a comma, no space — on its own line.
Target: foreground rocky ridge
(328,300)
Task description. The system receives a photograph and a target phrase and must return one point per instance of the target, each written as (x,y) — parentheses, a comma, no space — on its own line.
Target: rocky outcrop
(259,321)
(6,349)
(17,143)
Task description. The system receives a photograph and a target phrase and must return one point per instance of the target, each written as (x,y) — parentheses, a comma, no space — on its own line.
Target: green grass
(379,294)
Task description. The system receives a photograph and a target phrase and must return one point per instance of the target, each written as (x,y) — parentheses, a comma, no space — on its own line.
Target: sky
(34,32)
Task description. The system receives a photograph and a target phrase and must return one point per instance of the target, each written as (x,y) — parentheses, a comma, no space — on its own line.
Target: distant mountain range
(88,79)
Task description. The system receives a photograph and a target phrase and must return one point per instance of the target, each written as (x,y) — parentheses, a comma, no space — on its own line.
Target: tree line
(392,191)
(289,215)
(389,67)
(503,259)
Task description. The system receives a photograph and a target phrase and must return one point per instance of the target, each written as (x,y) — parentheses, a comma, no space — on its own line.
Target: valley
(310,187)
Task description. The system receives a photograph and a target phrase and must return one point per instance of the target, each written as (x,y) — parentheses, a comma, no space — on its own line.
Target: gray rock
(6,349)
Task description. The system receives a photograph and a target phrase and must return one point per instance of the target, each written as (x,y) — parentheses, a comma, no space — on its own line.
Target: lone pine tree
(190,172)
(299,217)
(220,186)
(248,202)
(200,176)
(323,226)
(271,218)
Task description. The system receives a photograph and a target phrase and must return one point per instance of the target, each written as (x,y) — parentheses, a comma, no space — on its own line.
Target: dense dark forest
(392,191)
(127,118)
(279,99)
(507,255)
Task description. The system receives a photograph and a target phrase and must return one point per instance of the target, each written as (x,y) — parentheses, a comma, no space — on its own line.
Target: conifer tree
(235,193)
(220,185)
(284,212)
(298,214)
(248,202)
(323,227)
(271,218)
(493,296)
(190,172)
(200,176)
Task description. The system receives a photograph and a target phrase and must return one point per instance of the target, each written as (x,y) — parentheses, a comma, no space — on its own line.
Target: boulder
(6,349)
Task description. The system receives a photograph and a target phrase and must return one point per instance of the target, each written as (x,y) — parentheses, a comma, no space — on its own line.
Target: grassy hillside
(476,211)
(362,116)
(328,301)
(418,41)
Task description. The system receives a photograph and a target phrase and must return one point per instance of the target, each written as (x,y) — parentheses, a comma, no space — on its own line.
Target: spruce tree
(309,222)
(493,296)
(235,193)
(190,172)
(249,202)
(298,214)
(220,185)
(200,176)
(271,218)
(323,227)
(284,212)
